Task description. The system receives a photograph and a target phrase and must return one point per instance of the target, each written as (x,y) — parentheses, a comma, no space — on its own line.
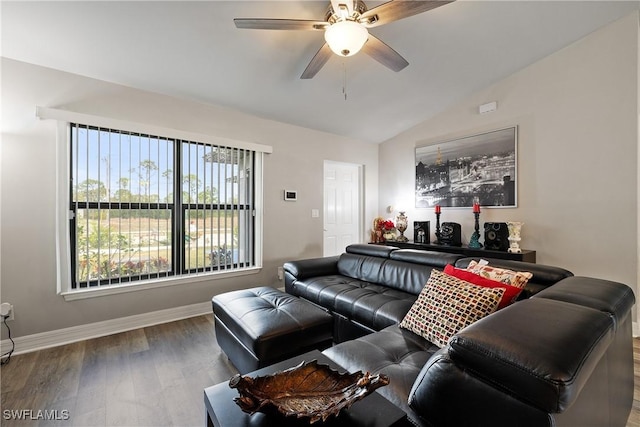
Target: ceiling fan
(346,32)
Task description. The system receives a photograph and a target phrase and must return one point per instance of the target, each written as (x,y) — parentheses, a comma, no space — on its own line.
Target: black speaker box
(451,234)
(496,236)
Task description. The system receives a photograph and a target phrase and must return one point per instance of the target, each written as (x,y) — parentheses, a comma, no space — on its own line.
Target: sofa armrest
(613,298)
(533,357)
(305,268)
(546,364)
(312,267)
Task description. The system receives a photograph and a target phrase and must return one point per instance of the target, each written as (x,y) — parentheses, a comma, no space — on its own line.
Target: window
(145,207)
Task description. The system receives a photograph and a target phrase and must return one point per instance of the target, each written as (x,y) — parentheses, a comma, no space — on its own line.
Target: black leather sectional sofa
(561,356)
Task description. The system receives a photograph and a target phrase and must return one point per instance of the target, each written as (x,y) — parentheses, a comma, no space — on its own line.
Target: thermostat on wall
(290,195)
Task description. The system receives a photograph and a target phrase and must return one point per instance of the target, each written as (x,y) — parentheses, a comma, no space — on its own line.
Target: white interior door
(342,206)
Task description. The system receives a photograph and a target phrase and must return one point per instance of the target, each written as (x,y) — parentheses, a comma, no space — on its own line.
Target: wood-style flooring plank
(121,404)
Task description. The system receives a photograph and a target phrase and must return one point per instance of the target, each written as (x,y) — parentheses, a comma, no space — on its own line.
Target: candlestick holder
(474,243)
(438,228)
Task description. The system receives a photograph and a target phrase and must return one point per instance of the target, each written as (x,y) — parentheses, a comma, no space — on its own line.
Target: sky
(119,159)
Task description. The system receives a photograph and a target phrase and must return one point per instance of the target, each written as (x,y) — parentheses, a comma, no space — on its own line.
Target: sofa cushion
(393,273)
(403,269)
(395,352)
(404,276)
(448,304)
(510,292)
(361,267)
(372,305)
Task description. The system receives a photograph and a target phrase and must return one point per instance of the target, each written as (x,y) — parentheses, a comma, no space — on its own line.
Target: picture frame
(422,232)
(480,168)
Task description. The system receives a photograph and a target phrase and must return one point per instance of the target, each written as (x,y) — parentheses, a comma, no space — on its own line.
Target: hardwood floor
(153,376)
(147,377)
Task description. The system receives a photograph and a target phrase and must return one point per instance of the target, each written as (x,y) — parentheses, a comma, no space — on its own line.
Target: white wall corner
(39,341)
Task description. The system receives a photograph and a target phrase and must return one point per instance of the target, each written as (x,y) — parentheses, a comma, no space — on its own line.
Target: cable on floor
(8,354)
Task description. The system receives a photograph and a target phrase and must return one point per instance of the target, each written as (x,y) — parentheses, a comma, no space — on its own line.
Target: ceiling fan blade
(397,9)
(385,55)
(279,24)
(318,61)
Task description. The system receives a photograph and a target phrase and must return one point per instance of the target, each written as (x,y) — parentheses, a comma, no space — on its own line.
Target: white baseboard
(39,341)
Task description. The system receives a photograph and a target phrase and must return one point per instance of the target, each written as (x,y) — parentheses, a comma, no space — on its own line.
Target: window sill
(153,284)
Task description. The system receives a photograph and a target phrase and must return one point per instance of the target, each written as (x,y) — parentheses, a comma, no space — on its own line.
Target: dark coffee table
(372,411)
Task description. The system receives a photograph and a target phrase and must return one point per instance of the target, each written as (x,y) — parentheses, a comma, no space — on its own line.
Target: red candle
(437,209)
(476,208)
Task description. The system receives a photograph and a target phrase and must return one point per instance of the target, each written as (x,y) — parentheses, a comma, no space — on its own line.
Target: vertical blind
(147,206)
(217,206)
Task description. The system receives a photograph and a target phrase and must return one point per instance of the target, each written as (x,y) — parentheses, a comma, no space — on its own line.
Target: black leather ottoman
(261,326)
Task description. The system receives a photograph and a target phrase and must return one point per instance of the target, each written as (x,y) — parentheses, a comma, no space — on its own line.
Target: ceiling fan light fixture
(346,38)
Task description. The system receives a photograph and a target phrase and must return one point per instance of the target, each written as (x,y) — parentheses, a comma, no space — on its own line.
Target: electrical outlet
(6,311)
(280,273)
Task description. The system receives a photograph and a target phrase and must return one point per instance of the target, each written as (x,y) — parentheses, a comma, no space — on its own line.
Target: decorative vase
(514,236)
(401,225)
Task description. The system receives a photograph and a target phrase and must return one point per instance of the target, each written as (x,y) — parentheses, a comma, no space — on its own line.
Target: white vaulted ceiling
(193,50)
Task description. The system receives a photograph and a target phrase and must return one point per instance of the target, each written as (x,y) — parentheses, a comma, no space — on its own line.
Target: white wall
(577,113)
(636,332)
(27,249)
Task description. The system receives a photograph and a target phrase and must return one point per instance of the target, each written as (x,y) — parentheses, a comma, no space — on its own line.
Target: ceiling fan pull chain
(344,80)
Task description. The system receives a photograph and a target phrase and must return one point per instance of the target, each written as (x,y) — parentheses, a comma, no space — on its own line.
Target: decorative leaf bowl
(309,390)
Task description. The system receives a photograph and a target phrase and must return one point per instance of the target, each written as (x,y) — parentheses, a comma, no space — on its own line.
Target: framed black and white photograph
(480,168)
(421,232)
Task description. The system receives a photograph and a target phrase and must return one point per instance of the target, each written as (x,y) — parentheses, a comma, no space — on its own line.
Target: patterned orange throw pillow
(446,305)
(514,278)
(510,292)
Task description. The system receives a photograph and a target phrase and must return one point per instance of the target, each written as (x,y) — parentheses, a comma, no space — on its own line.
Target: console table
(526,255)
(372,411)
